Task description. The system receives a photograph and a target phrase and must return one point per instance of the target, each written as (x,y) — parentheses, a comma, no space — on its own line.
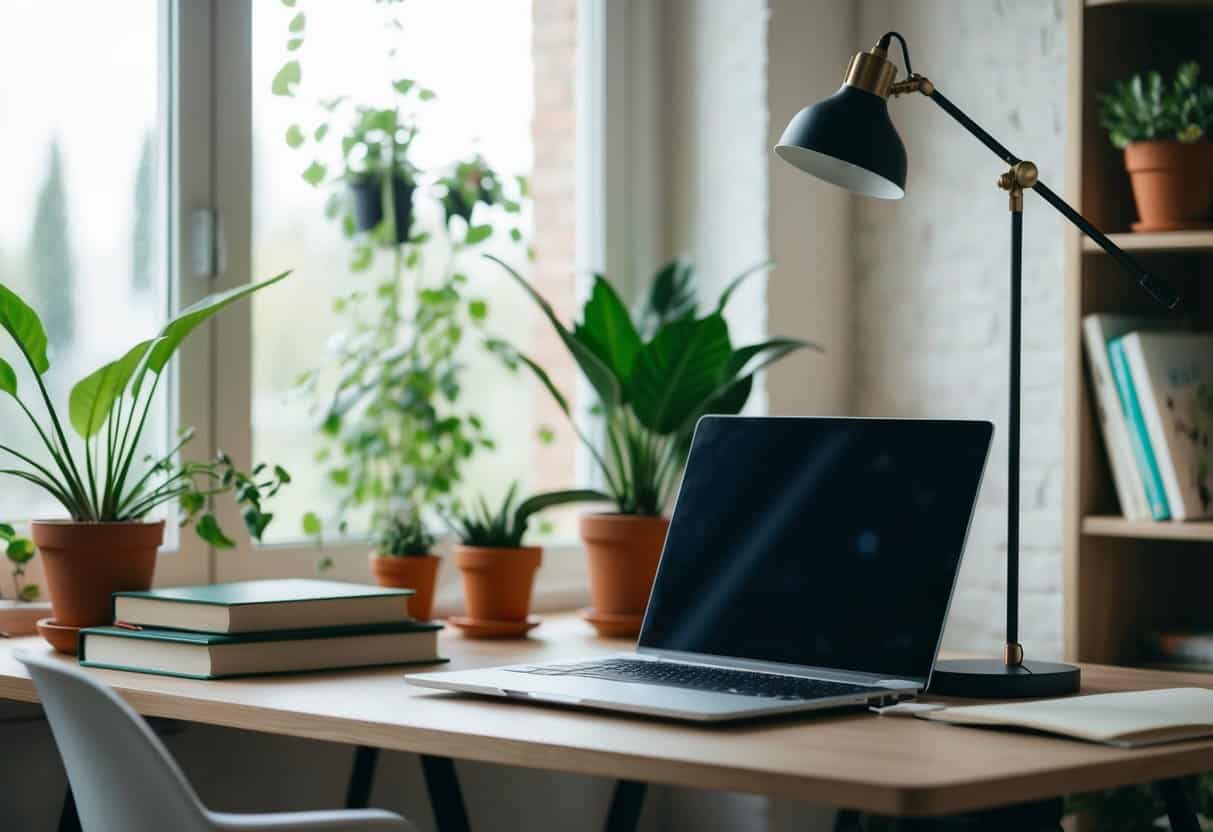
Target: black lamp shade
(848,140)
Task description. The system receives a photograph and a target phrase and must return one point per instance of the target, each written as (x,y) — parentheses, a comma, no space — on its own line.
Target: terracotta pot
(624,550)
(497,583)
(85,563)
(1172,184)
(416,572)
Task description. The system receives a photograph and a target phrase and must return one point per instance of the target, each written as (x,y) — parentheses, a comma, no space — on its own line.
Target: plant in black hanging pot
(381,178)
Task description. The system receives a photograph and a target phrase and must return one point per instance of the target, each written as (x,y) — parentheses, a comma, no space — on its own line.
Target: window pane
(83,221)
(504,91)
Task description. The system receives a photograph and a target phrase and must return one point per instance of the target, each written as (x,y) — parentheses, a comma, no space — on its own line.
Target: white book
(1126,720)
(1173,375)
(1097,331)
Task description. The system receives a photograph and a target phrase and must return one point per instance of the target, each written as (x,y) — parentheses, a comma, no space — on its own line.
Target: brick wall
(553,189)
(931,292)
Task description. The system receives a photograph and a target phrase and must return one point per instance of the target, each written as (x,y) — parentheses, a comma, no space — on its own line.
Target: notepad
(1125,720)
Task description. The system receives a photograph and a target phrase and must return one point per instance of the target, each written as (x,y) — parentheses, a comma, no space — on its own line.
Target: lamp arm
(1155,287)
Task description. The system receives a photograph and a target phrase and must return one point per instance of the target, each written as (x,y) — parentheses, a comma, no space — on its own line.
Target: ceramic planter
(624,550)
(85,563)
(416,572)
(497,583)
(367,194)
(1172,184)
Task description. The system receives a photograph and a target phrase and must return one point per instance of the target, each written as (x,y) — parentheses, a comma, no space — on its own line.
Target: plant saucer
(614,624)
(59,636)
(480,628)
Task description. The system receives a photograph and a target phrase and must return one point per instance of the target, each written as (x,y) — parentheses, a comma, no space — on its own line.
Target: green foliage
(19,551)
(1146,108)
(108,411)
(503,528)
(652,390)
(52,270)
(388,400)
(404,536)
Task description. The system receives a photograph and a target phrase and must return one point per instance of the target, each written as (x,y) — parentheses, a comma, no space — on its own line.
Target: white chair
(124,779)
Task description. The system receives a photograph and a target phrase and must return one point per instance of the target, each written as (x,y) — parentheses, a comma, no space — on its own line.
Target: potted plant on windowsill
(404,559)
(650,394)
(498,571)
(19,615)
(108,544)
(1163,130)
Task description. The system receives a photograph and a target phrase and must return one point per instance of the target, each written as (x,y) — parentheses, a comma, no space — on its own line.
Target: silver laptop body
(785,491)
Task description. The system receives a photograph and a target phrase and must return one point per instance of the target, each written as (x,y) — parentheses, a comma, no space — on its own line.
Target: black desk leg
(626,804)
(442,783)
(69,820)
(847,820)
(1179,806)
(362,777)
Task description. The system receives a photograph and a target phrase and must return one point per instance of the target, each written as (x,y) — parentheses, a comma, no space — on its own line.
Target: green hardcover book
(259,606)
(219,656)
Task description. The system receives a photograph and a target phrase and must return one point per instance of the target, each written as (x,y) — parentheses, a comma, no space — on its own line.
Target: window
(504,90)
(165,112)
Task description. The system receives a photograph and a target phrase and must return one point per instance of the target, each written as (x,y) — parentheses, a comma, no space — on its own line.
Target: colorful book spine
(1138,435)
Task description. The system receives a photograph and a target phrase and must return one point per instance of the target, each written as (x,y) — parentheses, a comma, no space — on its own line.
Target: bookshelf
(1124,578)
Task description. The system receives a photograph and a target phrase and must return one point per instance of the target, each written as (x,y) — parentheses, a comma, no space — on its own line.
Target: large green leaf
(23,324)
(749,360)
(539,502)
(679,371)
(8,378)
(605,383)
(93,397)
(608,330)
(178,329)
(671,295)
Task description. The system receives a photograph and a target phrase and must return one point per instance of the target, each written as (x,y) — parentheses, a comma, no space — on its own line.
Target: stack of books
(1190,650)
(258,627)
(1153,390)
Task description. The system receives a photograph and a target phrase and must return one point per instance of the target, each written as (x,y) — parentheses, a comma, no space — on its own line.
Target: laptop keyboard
(698,677)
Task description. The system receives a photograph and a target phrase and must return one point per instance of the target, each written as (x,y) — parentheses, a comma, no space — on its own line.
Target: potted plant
(498,571)
(404,558)
(1163,130)
(18,615)
(105,485)
(651,390)
(381,178)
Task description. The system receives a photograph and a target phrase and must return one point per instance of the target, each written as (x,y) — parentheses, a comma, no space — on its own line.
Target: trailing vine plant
(396,437)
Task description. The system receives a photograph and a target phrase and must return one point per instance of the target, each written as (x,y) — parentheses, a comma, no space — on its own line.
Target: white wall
(931,289)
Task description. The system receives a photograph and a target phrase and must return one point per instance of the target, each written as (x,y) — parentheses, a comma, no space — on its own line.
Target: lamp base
(994,679)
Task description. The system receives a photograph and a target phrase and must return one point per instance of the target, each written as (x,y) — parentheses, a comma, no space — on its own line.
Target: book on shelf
(1181,649)
(1173,377)
(259,606)
(1143,454)
(196,655)
(1098,331)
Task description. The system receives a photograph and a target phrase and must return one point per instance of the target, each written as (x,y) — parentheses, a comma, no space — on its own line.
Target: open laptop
(809,564)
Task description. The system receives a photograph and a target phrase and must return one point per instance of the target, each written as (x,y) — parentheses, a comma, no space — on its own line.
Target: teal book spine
(1138,437)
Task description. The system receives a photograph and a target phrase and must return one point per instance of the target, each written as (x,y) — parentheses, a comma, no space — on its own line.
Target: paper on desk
(1125,720)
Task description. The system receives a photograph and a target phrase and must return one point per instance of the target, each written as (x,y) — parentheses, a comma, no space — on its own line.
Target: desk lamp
(848,140)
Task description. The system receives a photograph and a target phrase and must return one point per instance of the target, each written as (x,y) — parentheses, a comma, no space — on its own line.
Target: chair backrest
(122,777)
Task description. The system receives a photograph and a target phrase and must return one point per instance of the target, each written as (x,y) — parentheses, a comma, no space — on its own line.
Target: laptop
(809,564)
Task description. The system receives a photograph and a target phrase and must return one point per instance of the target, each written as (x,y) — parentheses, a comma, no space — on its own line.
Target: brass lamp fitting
(1021,175)
(871,71)
(1012,655)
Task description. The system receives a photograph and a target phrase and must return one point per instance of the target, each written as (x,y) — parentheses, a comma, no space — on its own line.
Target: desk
(882,765)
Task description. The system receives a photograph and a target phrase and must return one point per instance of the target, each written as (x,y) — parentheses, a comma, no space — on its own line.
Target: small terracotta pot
(1172,184)
(497,583)
(624,550)
(416,572)
(86,563)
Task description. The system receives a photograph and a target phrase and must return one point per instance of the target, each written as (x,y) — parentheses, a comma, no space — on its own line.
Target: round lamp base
(993,679)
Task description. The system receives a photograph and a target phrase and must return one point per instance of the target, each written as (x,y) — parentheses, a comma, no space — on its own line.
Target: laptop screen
(832,543)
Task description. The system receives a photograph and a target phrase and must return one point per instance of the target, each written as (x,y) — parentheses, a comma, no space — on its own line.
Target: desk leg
(1179,806)
(362,777)
(624,813)
(69,820)
(446,800)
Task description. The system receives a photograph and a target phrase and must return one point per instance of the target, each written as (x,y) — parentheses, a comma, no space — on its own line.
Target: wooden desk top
(887,765)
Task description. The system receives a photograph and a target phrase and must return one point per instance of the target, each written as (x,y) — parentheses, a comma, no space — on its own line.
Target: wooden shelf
(1109,526)
(1161,241)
